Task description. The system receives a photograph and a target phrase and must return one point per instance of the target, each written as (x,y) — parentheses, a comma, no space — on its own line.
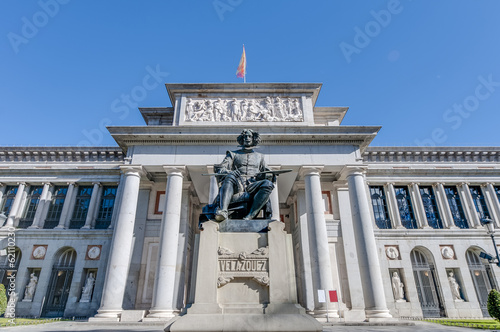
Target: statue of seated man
(240,176)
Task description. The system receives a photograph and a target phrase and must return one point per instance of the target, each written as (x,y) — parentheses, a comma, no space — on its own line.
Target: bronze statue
(245,183)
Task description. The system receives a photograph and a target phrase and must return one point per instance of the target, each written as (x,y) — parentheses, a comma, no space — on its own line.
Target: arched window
(427,287)
(482,277)
(10,264)
(60,283)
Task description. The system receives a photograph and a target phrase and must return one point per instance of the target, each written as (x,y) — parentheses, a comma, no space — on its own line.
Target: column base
(160,315)
(59,227)
(86,227)
(33,227)
(378,316)
(106,316)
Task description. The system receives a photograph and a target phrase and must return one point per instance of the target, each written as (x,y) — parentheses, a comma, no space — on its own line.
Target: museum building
(113,232)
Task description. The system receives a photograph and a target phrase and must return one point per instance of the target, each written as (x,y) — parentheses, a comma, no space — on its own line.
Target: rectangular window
(33,199)
(81,207)
(497,191)
(106,208)
(379,204)
(430,207)
(327,202)
(456,208)
(405,207)
(479,202)
(55,207)
(9,196)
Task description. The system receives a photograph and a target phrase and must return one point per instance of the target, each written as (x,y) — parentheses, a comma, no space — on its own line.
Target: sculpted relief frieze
(268,109)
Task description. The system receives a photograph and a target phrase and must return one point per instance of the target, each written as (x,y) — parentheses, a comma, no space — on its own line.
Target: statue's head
(245,134)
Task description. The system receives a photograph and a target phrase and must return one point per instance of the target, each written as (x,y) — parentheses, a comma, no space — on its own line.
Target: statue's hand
(235,173)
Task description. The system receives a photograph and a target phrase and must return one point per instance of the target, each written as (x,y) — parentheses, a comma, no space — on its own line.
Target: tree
(3,299)
(494,304)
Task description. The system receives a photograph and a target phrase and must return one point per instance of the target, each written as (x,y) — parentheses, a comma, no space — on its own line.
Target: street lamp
(490,229)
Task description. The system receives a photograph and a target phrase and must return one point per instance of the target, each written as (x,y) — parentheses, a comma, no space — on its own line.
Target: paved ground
(93,327)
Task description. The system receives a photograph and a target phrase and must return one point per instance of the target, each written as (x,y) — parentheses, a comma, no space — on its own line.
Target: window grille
(9,197)
(479,202)
(430,207)
(379,204)
(405,207)
(106,208)
(456,208)
(82,203)
(55,207)
(33,200)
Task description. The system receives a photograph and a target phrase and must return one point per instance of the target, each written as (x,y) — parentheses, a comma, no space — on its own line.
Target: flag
(242,67)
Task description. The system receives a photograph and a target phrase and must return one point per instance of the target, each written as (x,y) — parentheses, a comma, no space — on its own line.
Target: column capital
(390,184)
(349,170)
(175,170)
(464,183)
(415,183)
(21,183)
(129,169)
(310,169)
(50,184)
(97,183)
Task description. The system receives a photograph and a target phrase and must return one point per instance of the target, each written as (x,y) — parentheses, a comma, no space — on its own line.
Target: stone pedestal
(245,281)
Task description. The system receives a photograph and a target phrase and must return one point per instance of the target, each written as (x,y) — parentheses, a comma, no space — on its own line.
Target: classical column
(305,250)
(444,208)
(366,247)
(213,190)
(40,213)
(322,271)
(121,247)
(468,205)
(164,303)
(418,205)
(392,204)
(16,205)
(3,187)
(495,203)
(69,202)
(92,205)
(275,201)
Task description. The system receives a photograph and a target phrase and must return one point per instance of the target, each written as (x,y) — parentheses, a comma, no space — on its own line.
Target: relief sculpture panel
(268,109)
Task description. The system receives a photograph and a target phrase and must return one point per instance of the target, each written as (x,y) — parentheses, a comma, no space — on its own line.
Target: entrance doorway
(60,284)
(427,287)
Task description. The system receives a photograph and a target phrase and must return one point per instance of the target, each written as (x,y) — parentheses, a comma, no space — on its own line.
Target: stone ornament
(447,252)
(93,252)
(254,265)
(39,252)
(29,292)
(455,287)
(392,252)
(88,288)
(398,288)
(268,109)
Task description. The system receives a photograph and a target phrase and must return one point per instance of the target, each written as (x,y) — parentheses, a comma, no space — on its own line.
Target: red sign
(333,296)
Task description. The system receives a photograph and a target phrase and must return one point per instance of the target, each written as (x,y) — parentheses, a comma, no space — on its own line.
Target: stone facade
(112,233)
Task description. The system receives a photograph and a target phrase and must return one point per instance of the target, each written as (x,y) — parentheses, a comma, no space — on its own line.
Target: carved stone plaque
(254,265)
(267,109)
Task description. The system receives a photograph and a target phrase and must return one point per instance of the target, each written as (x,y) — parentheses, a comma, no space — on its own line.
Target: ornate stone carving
(263,280)
(224,251)
(447,252)
(223,279)
(39,252)
(93,252)
(392,252)
(243,265)
(268,109)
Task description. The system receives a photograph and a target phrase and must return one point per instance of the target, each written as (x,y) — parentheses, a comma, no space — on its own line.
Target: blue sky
(428,72)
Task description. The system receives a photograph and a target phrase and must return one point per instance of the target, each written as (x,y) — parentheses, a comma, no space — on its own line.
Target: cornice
(431,155)
(54,155)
